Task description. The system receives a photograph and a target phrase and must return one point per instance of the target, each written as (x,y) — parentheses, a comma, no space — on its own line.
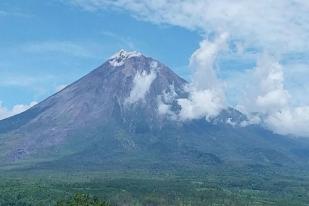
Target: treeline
(82,199)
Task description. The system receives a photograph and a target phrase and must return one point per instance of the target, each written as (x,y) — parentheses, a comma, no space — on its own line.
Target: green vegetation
(212,187)
(80,199)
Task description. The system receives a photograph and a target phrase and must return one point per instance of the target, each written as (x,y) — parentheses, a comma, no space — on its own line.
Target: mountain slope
(111,119)
(99,98)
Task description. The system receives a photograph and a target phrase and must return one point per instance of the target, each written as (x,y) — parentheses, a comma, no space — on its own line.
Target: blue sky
(253,54)
(46,44)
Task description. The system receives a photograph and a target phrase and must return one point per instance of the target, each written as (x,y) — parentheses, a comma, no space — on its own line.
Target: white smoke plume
(141,85)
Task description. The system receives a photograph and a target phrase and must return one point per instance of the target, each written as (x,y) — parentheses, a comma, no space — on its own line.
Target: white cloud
(266,91)
(278,25)
(206,96)
(165,102)
(202,63)
(206,93)
(141,85)
(165,109)
(293,121)
(268,101)
(200,104)
(5,112)
(296,82)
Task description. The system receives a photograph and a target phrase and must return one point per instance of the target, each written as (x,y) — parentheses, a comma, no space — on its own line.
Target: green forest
(117,188)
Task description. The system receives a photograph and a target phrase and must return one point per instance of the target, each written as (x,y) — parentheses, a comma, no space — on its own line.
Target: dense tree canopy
(80,199)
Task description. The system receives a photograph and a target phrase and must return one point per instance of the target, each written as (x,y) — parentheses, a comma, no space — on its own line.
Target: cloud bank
(278,25)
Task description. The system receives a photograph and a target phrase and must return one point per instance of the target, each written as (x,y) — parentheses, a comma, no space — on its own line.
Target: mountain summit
(120,57)
(112,118)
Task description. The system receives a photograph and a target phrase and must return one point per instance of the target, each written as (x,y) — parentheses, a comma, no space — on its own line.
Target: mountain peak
(119,58)
(116,116)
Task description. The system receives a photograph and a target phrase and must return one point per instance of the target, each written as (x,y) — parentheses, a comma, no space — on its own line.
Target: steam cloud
(206,94)
(141,85)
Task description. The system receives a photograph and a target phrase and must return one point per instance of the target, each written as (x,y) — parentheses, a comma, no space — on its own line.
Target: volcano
(112,118)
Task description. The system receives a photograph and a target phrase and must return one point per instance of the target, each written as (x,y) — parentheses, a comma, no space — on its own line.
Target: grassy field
(214,186)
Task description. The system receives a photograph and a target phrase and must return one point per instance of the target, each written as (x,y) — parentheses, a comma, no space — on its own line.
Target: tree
(80,199)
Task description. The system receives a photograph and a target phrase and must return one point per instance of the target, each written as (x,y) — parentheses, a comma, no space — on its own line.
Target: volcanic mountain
(112,118)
